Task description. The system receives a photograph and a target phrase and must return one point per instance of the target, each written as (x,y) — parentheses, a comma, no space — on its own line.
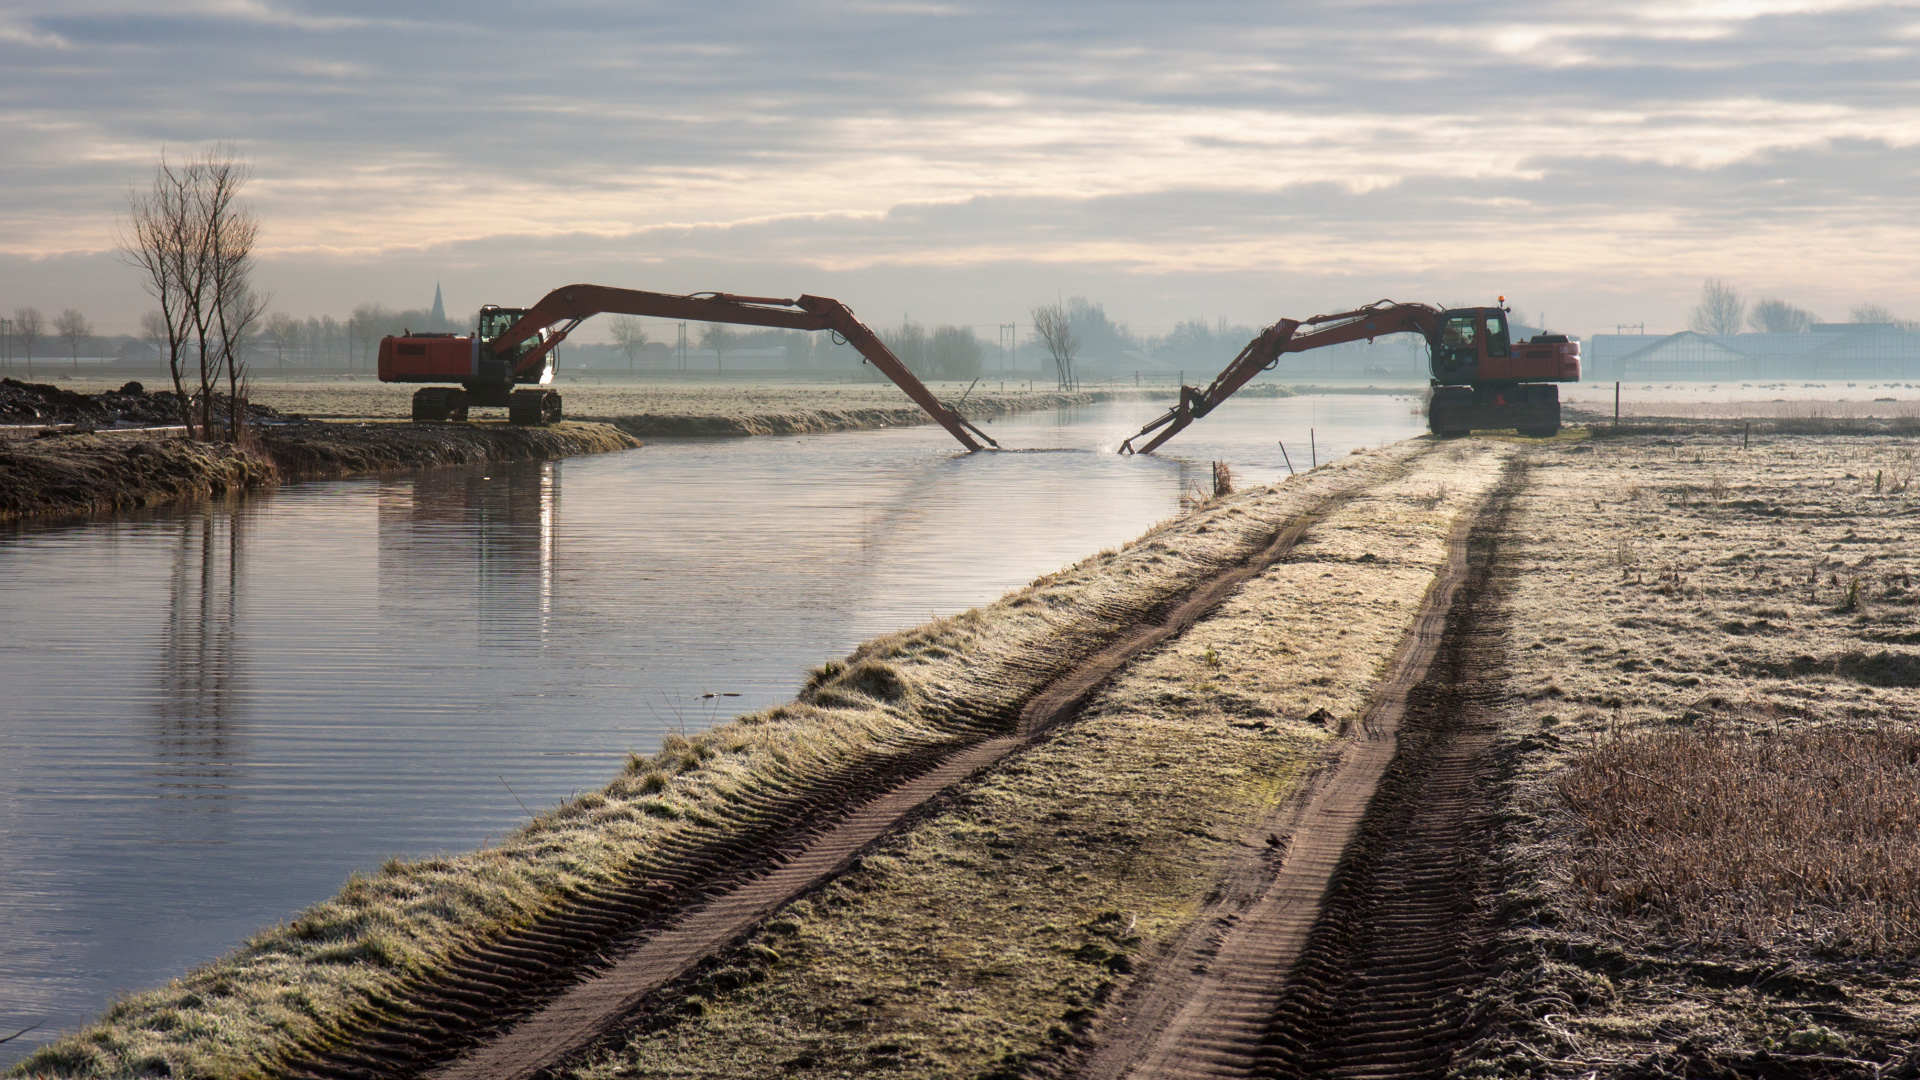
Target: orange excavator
(508,360)
(1482,379)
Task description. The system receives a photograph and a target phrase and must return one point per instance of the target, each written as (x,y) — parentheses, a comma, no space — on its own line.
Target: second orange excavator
(1482,378)
(508,359)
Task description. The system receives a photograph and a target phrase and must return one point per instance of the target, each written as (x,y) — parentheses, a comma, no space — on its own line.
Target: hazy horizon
(959,163)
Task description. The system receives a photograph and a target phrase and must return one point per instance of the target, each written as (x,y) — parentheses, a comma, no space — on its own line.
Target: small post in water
(1616,406)
(1285,458)
(1313,451)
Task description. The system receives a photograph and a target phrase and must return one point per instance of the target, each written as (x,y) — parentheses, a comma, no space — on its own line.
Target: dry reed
(1736,839)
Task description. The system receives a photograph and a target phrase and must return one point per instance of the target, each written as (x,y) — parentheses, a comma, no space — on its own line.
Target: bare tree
(153,330)
(719,337)
(954,353)
(631,335)
(283,333)
(1771,316)
(1055,328)
(909,342)
(1870,313)
(73,328)
(365,327)
(238,319)
(1720,310)
(166,238)
(230,307)
(28,325)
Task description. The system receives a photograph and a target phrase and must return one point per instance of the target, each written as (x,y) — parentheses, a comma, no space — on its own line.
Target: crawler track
(1343,959)
(523,1006)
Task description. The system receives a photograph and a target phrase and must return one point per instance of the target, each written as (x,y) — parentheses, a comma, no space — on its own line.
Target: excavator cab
(495,321)
(1470,341)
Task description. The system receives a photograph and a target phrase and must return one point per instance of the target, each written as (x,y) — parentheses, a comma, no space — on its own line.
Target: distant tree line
(28,327)
(1722,310)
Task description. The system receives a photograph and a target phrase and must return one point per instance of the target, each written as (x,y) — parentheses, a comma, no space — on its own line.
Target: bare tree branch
(1055,327)
(631,335)
(73,328)
(1720,310)
(1771,316)
(28,325)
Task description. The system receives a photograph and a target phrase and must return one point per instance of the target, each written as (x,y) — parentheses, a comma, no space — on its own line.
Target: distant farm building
(1828,351)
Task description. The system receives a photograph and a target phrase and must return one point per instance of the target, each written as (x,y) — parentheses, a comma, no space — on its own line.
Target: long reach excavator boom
(1481,378)
(512,347)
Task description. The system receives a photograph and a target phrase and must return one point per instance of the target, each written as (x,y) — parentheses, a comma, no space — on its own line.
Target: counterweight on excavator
(1481,378)
(514,346)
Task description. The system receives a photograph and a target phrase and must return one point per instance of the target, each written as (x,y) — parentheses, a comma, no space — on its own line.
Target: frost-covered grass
(1717,632)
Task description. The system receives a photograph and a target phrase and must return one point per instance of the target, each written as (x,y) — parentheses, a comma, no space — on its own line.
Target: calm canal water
(209,717)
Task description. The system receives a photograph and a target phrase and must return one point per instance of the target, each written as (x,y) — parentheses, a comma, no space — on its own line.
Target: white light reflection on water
(210,717)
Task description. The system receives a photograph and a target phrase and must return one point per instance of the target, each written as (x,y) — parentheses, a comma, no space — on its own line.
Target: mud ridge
(521,1006)
(1333,951)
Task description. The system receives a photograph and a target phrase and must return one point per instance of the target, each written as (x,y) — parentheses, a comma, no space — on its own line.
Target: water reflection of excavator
(513,348)
(1482,379)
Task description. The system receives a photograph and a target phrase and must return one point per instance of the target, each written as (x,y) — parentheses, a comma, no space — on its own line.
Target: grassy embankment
(1711,848)
(297,987)
(85,474)
(988,939)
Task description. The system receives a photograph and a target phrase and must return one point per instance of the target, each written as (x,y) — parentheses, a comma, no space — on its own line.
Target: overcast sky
(963,161)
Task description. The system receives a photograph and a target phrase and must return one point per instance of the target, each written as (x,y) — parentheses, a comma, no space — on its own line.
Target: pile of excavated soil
(1681,600)
(130,405)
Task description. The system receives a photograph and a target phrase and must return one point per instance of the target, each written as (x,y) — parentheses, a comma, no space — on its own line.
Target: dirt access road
(1344,963)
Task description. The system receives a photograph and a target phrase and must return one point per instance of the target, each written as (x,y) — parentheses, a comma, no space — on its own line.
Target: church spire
(439,309)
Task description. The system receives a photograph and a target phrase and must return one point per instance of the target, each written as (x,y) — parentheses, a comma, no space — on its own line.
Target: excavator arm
(1265,350)
(569,306)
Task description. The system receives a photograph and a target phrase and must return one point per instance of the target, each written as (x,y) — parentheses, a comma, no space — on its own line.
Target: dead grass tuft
(1731,839)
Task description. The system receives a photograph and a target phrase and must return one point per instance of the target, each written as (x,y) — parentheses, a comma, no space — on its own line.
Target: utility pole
(1009,338)
(680,346)
(1638,328)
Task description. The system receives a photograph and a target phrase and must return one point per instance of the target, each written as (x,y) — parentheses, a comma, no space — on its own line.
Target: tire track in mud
(1345,963)
(521,1006)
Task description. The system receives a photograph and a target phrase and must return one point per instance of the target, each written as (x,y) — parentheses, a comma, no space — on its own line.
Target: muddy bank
(70,475)
(445,945)
(75,475)
(317,451)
